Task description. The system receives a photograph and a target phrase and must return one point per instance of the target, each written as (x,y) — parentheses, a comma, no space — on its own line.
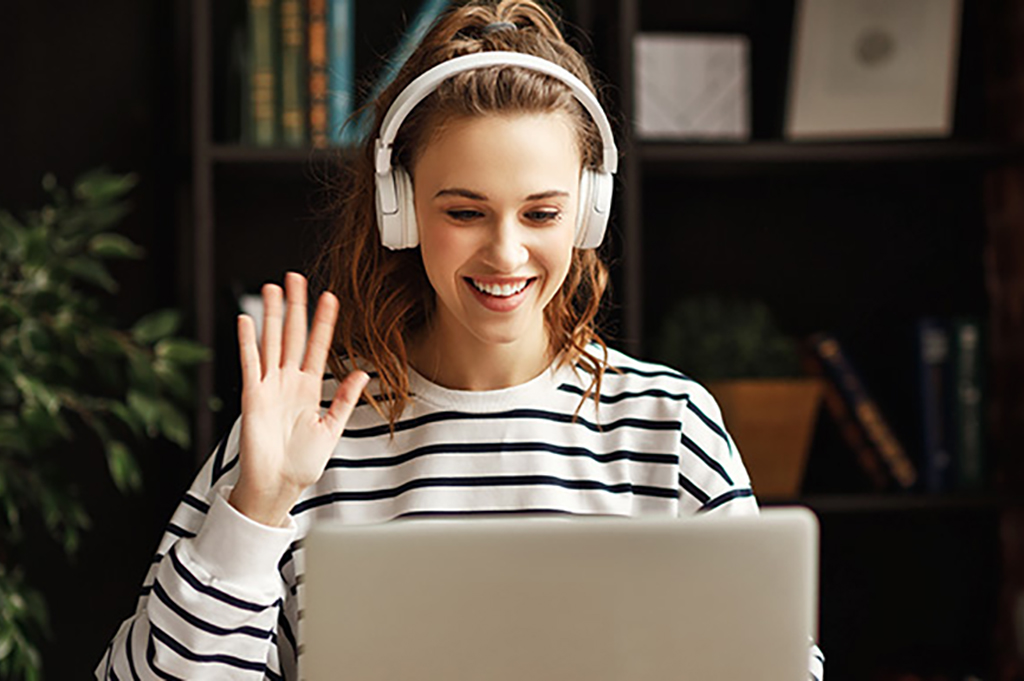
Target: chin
(503,338)
(509,335)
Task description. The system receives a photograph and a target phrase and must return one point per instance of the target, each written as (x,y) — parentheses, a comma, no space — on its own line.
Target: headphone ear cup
(594,208)
(407,204)
(396,211)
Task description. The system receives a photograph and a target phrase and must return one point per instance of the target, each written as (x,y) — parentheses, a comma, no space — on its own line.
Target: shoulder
(632,386)
(627,373)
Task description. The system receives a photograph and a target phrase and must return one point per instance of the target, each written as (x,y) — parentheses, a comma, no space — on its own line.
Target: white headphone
(396,213)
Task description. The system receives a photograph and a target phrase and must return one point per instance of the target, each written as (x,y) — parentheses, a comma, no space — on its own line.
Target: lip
(493,303)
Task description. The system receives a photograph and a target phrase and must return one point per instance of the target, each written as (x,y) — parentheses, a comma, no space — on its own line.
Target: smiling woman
(464,279)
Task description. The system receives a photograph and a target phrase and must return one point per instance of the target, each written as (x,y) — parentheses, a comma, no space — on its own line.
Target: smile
(500,289)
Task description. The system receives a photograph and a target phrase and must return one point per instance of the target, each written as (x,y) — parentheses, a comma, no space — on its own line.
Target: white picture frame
(868,69)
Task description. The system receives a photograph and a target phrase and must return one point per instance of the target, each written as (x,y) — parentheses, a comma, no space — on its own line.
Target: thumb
(345,399)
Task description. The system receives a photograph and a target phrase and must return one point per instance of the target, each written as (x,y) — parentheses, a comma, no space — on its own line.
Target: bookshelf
(856,236)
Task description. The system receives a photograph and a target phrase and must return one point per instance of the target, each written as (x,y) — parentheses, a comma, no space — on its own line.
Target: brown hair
(385,295)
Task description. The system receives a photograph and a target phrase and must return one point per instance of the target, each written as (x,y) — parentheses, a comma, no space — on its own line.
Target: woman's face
(496,200)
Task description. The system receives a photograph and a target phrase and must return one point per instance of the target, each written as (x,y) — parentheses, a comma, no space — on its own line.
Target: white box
(692,86)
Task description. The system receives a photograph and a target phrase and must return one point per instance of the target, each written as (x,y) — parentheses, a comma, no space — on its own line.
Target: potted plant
(67,372)
(735,349)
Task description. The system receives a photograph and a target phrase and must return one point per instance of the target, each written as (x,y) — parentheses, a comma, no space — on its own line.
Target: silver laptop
(538,599)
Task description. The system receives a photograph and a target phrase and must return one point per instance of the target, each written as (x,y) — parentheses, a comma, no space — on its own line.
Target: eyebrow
(469,194)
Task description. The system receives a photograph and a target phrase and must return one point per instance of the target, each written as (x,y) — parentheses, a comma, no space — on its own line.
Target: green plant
(717,338)
(66,372)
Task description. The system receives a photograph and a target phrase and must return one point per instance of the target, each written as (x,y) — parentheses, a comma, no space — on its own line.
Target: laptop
(538,599)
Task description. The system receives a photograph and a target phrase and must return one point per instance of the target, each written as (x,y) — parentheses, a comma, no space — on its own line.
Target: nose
(507,249)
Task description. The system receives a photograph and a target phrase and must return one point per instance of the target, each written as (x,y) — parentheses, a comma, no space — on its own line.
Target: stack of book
(297,66)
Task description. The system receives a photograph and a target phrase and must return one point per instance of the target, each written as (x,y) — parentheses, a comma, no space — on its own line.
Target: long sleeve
(712,474)
(712,477)
(213,602)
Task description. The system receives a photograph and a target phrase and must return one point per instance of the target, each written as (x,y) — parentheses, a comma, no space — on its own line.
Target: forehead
(538,143)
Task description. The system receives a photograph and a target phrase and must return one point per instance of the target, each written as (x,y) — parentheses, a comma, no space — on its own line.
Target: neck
(471,364)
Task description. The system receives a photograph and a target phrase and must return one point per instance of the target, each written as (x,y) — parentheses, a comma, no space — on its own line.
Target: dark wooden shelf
(710,157)
(769,153)
(883,503)
(241,154)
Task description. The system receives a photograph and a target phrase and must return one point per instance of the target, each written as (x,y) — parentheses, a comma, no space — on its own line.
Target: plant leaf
(100,186)
(124,470)
(93,219)
(182,351)
(148,409)
(92,271)
(12,237)
(174,425)
(155,326)
(141,371)
(127,416)
(108,245)
(173,378)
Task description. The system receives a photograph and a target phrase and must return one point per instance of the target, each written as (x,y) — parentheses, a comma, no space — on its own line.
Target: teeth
(500,290)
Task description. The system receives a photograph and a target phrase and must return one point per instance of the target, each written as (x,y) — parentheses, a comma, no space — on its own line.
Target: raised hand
(285,440)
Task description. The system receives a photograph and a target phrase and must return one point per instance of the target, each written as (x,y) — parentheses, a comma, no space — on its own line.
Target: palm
(286,439)
(283,432)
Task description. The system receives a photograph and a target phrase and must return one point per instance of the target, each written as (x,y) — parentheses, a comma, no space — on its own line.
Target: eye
(464,215)
(544,216)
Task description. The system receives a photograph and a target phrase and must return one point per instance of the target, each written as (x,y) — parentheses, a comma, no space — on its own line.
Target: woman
(468,281)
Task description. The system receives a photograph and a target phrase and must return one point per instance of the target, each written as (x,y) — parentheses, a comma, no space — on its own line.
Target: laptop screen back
(595,599)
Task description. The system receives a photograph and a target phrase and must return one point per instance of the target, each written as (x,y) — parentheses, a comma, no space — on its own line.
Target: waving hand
(285,439)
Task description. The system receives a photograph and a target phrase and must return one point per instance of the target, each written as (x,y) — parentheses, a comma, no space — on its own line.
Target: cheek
(559,257)
(441,249)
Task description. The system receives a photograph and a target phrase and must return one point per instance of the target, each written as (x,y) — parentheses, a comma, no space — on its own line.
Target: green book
(262,88)
(293,74)
(968,404)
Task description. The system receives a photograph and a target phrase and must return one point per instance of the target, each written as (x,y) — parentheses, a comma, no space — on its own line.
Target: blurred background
(819,212)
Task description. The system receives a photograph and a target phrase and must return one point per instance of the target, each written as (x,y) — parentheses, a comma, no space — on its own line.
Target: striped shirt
(221,597)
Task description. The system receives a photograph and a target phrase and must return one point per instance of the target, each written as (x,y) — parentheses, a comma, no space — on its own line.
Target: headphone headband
(428,81)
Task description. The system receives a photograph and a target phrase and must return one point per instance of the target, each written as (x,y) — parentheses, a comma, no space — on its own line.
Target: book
(879,452)
(316,31)
(340,67)
(968,403)
(262,55)
(849,430)
(292,78)
(935,397)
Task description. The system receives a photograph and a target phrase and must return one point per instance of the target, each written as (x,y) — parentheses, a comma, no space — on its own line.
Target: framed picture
(873,69)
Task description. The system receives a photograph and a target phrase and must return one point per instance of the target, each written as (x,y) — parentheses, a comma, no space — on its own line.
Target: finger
(248,351)
(273,313)
(321,336)
(295,319)
(345,399)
